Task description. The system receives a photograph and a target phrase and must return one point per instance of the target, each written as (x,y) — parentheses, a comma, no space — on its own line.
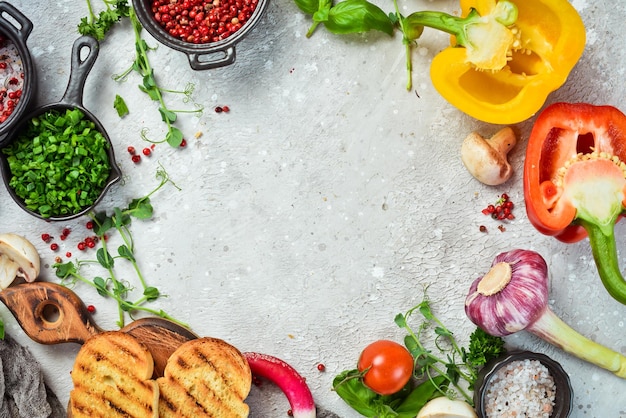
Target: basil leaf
(308,6)
(355,16)
(352,390)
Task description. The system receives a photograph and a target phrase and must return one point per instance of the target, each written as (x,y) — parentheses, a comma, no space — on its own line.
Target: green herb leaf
(120,106)
(64,270)
(151,293)
(355,16)
(125,252)
(174,137)
(423,393)
(308,6)
(484,347)
(104,258)
(167,115)
(101,286)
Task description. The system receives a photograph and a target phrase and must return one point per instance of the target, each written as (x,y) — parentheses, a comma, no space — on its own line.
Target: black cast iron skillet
(72,99)
(17,29)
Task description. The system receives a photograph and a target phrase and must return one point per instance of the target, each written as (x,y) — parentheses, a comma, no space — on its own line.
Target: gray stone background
(325,200)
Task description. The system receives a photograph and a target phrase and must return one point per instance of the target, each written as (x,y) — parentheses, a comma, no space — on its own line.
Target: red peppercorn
(146,151)
(45,237)
(54,246)
(66,231)
(91,309)
(290,413)
(482,228)
(81,246)
(131,150)
(183,143)
(89,225)
(68,254)
(136,159)
(218,109)
(321,367)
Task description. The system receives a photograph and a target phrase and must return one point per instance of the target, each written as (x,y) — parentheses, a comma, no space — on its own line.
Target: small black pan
(18,34)
(72,99)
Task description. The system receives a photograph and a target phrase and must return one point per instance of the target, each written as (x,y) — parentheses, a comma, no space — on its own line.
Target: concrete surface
(325,200)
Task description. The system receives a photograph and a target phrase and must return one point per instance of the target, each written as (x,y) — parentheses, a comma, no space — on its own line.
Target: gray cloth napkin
(24,393)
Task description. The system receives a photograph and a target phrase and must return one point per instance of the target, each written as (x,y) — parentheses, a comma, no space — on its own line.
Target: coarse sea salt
(522,388)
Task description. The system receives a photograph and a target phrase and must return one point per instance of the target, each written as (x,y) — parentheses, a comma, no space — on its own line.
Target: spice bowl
(18,78)
(526,379)
(78,185)
(207,55)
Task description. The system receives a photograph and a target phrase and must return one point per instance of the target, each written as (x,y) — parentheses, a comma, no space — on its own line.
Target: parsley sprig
(99,25)
(112,287)
(149,85)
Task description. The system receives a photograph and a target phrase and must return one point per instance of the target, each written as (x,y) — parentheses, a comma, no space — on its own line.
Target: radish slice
(287,379)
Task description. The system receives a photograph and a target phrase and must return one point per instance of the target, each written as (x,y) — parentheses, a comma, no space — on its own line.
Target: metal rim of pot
(18,35)
(201,56)
(72,99)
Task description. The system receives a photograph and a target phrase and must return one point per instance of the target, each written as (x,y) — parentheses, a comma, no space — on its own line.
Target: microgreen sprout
(142,66)
(112,287)
(450,361)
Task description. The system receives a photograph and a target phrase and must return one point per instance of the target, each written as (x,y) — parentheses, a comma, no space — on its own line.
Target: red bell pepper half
(574,181)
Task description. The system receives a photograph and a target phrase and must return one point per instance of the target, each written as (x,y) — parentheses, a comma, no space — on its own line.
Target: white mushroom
(444,407)
(18,258)
(486,159)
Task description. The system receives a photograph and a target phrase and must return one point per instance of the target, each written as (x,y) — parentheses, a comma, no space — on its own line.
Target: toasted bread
(205,377)
(112,378)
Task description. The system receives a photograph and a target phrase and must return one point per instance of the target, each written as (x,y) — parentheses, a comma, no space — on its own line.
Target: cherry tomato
(388,366)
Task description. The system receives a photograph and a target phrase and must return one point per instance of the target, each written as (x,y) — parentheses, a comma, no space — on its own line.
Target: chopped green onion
(59,163)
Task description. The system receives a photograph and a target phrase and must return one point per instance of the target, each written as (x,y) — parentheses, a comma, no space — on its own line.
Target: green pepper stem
(602,241)
(552,329)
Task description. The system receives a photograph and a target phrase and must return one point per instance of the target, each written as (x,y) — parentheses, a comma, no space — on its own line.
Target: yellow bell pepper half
(552,39)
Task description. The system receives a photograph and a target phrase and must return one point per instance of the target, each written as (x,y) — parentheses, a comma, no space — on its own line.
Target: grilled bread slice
(112,378)
(205,377)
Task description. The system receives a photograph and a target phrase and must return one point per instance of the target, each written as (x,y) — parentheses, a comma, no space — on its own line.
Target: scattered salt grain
(523,388)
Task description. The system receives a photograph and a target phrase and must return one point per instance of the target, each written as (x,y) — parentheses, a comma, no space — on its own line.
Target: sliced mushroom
(486,159)
(18,258)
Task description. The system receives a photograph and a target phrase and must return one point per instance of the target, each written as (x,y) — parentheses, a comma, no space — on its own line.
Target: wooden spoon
(52,314)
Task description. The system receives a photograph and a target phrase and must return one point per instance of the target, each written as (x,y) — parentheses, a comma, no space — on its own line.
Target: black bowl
(17,31)
(201,56)
(563,397)
(72,99)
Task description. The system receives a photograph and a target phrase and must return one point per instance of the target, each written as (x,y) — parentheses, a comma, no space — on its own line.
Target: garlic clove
(18,258)
(443,407)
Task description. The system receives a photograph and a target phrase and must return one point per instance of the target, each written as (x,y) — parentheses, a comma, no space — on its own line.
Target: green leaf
(351,389)
(101,286)
(167,115)
(104,258)
(400,320)
(1,329)
(63,270)
(308,6)
(141,208)
(356,16)
(152,293)
(120,106)
(126,253)
(174,137)
(423,393)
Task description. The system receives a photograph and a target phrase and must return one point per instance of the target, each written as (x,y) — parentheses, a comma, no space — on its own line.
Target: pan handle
(25,25)
(80,69)
(49,313)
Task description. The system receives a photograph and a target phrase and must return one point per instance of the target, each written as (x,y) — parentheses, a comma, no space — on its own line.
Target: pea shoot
(141,65)
(59,163)
(111,286)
